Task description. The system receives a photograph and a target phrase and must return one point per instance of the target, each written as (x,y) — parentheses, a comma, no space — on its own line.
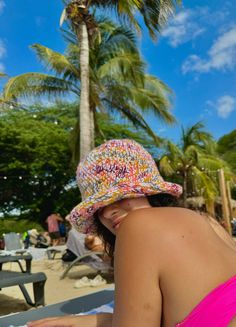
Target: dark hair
(109,239)
(163,200)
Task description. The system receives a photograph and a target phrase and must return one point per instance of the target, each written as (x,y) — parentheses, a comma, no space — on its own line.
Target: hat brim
(82,215)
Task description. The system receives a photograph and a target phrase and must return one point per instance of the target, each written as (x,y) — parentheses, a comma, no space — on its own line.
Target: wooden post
(225,207)
(210,207)
(228,192)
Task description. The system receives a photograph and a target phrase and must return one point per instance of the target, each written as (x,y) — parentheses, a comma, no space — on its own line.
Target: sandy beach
(56,290)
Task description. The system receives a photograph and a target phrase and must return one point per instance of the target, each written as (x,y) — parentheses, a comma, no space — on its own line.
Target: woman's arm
(138,300)
(97,320)
(59,218)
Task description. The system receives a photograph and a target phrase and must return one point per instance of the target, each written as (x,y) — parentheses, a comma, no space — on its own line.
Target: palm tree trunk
(92,126)
(84,112)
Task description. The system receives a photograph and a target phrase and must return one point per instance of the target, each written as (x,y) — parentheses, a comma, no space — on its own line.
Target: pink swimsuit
(217,309)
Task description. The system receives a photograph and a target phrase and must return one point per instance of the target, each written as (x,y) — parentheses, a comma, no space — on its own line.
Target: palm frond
(205,183)
(124,8)
(151,102)
(196,135)
(212,163)
(69,36)
(115,46)
(175,154)
(129,112)
(144,99)
(154,84)
(154,12)
(73,54)
(165,166)
(112,34)
(55,61)
(123,66)
(192,153)
(37,84)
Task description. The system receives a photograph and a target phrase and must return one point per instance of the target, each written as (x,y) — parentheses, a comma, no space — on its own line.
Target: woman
(173,267)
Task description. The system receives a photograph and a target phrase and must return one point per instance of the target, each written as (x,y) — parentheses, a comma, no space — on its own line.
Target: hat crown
(116,170)
(115,162)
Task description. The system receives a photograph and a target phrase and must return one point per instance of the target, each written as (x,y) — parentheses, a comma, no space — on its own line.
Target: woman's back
(201,261)
(192,257)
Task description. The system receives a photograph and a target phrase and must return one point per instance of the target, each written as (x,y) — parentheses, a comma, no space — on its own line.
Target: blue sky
(195,56)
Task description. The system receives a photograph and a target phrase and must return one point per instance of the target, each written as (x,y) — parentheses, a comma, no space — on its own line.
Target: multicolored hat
(116,170)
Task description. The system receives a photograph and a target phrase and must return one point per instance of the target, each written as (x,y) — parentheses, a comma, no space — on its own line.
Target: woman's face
(112,215)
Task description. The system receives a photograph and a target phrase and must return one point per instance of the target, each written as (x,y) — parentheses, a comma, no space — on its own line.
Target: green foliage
(226,147)
(17,225)
(35,167)
(154,13)
(36,173)
(194,163)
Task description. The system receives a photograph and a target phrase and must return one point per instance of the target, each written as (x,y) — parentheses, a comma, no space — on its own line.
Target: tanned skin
(166,261)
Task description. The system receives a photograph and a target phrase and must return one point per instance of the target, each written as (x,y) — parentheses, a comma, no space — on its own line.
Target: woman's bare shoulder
(152,235)
(158,216)
(160,223)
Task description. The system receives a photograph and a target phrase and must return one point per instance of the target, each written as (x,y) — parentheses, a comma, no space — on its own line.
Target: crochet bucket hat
(117,169)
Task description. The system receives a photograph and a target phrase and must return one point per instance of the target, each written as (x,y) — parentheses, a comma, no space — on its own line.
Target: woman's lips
(117,220)
(116,223)
(116,226)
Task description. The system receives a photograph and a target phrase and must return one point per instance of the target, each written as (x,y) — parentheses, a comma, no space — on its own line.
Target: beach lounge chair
(13,242)
(14,278)
(89,259)
(8,257)
(83,254)
(53,250)
(72,306)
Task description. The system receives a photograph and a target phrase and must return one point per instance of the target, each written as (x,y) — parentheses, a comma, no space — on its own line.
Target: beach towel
(108,308)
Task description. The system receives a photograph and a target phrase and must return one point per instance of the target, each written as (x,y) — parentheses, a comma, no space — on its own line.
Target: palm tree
(154,14)
(194,162)
(117,73)
(2,75)
(118,83)
(4,104)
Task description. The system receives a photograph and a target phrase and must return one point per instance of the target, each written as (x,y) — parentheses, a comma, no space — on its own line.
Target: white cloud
(224,105)
(2,49)
(2,67)
(221,56)
(2,54)
(182,28)
(188,24)
(2,5)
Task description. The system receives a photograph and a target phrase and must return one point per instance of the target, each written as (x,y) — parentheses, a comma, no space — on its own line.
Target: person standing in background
(53,227)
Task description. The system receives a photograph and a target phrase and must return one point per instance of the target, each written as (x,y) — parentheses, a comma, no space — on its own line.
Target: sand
(56,290)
